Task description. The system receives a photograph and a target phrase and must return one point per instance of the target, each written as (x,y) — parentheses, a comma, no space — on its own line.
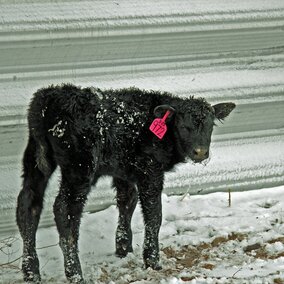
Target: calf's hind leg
(126,196)
(68,207)
(38,165)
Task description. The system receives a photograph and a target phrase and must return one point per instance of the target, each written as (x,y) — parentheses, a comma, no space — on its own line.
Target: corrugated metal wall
(215,49)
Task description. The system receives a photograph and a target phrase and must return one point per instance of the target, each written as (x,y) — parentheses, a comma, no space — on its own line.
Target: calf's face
(195,128)
(194,124)
(195,135)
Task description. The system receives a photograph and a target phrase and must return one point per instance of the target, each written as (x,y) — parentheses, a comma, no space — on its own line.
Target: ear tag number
(159,127)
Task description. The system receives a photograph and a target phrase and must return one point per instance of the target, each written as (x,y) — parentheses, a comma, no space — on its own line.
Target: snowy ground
(202,238)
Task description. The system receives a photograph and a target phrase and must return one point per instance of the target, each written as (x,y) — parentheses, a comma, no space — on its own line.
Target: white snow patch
(58,130)
(239,244)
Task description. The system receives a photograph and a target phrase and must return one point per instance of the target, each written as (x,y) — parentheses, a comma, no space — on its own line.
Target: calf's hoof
(123,245)
(74,274)
(123,242)
(32,278)
(153,264)
(30,268)
(76,279)
(123,250)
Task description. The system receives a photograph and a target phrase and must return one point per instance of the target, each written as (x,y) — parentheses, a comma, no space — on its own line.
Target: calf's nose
(200,153)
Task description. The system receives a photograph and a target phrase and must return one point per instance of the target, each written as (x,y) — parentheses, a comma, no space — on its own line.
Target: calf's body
(89,133)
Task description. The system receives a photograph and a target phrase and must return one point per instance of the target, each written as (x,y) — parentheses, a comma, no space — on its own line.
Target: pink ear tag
(159,127)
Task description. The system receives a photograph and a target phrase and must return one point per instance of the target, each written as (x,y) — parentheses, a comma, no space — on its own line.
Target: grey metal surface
(224,52)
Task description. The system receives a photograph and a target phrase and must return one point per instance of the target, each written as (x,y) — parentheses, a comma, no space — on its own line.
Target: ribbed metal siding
(166,47)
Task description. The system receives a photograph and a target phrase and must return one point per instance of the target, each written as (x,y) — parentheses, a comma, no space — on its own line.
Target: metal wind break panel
(214,49)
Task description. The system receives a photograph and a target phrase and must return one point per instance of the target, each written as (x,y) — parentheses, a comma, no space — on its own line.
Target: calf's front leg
(126,197)
(150,190)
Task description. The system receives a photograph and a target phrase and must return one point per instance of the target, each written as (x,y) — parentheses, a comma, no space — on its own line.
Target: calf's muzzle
(200,153)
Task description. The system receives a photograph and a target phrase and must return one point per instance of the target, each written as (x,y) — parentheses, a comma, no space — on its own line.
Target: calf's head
(193,125)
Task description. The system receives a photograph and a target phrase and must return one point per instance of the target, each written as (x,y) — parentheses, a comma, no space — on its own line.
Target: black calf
(89,133)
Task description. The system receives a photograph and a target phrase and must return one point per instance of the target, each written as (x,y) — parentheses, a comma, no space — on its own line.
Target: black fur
(89,133)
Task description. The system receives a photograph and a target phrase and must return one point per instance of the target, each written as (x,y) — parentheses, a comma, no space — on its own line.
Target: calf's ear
(160,110)
(222,110)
